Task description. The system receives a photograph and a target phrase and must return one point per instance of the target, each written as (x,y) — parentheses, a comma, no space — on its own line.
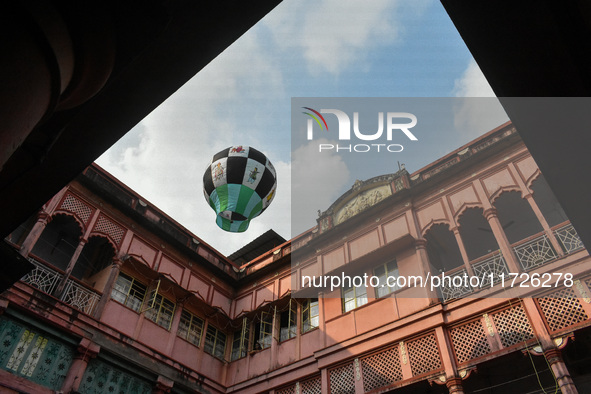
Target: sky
(303,48)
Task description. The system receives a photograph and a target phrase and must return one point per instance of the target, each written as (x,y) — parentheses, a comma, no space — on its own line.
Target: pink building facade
(124,299)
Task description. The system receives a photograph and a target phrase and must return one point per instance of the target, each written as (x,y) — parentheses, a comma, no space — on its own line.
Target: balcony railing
(42,277)
(449,288)
(531,253)
(535,252)
(79,297)
(568,237)
(491,267)
(75,295)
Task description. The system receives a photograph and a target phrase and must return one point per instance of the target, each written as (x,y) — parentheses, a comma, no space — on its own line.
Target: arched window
(476,234)
(442,248)
(517,217)
(547,202)
(93,265)
(59,240)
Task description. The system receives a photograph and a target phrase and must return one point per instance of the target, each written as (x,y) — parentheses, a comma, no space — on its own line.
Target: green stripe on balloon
(243,226)
(256,210)
(233,195)
(222,192)
(243,199)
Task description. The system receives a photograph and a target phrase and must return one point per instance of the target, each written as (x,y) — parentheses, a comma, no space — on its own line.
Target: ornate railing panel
(75,295)
(42,277)
(79,297)
(535,253)
(451,289)
(494,266)
(569,238)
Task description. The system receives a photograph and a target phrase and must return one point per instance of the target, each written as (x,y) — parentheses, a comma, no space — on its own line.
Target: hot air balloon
(239,184)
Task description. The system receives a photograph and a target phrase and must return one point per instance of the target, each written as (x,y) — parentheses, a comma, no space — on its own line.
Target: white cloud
(332,34)
(478,111)
(318,180)
(164,157)
(472,83)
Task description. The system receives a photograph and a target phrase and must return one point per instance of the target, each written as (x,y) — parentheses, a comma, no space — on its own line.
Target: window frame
(240,341)
(263,335)
(383,284)
(135,287)
(157,306)
(195,324)
(218,336)
(307,308)
(291,329)
(359,294)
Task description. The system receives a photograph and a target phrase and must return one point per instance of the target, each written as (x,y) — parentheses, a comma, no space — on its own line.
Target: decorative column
(325,381)
(549,233)
(423,257)
(527,194)
(561,373)
(86,351)
(451,377)
(43,218)
(62,285)
(454,385)
(72,263)
(549,347)
(358,376)
(115,269)
(493,220)
(462,248)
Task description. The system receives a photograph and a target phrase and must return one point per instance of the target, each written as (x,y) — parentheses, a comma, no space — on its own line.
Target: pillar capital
(420,243)
(490,213)
(43,217)
(454,385)
(87,350)
(553,355)
(117,262)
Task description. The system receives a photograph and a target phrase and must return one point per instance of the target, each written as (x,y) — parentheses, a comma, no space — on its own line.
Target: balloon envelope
(239,184)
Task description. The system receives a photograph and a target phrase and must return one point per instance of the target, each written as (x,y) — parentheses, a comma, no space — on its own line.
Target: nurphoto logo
(394,124)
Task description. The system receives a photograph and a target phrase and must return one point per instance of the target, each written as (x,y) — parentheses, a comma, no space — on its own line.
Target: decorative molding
(489,326)
(403,353)
(357,369)
(582,291)
(361,202)
(440,380)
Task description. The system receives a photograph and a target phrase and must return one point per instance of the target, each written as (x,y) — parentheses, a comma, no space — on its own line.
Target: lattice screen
(28,353)
(342,380)
(311,386)
(424,355)
(287,390)
(106,226)
(101,377)
(513,326)
(588,283)
(77,207)
(562,309)
(469,341)
(381,369)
